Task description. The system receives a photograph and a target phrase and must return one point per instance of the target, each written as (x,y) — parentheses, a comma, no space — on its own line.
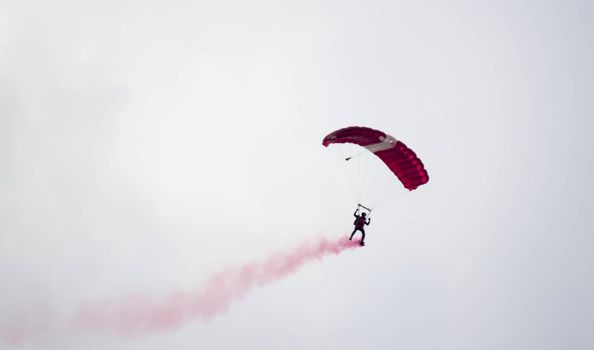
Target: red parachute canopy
(403,162)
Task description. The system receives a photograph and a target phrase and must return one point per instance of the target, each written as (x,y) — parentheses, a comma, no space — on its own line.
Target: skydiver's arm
(355,214)
(368,221)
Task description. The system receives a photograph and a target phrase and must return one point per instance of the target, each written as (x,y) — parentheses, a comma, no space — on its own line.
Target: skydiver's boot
(362,244)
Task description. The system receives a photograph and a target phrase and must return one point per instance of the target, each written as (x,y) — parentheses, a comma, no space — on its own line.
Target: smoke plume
(132,316)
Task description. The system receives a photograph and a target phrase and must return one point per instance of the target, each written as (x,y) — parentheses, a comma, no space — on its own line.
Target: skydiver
(360,222)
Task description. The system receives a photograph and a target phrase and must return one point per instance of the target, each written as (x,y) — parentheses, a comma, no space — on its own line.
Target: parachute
(399,159)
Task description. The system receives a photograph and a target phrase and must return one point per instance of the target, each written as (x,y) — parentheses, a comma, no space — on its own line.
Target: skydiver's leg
(363,237)
(352,234)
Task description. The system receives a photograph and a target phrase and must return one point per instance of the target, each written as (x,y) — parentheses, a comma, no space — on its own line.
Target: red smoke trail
(18,326)
(137,315)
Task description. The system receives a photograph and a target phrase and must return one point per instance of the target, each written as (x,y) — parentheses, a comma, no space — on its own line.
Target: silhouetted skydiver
(360,222)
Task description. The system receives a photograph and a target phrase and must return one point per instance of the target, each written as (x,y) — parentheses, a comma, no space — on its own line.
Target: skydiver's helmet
(364,214)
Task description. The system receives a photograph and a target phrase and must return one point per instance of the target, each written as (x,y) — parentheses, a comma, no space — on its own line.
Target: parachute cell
(400,159)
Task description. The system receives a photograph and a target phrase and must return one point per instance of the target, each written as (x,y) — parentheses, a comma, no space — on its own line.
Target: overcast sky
(145,145)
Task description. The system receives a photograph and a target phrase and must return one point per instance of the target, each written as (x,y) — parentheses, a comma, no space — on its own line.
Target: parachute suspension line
(377,187)
(357,169)
(361,166)
(384,202)
(362,163)
(362,179)
(352,170)
(358,173)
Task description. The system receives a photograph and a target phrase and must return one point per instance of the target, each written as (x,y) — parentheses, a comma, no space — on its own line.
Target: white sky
(146,144)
